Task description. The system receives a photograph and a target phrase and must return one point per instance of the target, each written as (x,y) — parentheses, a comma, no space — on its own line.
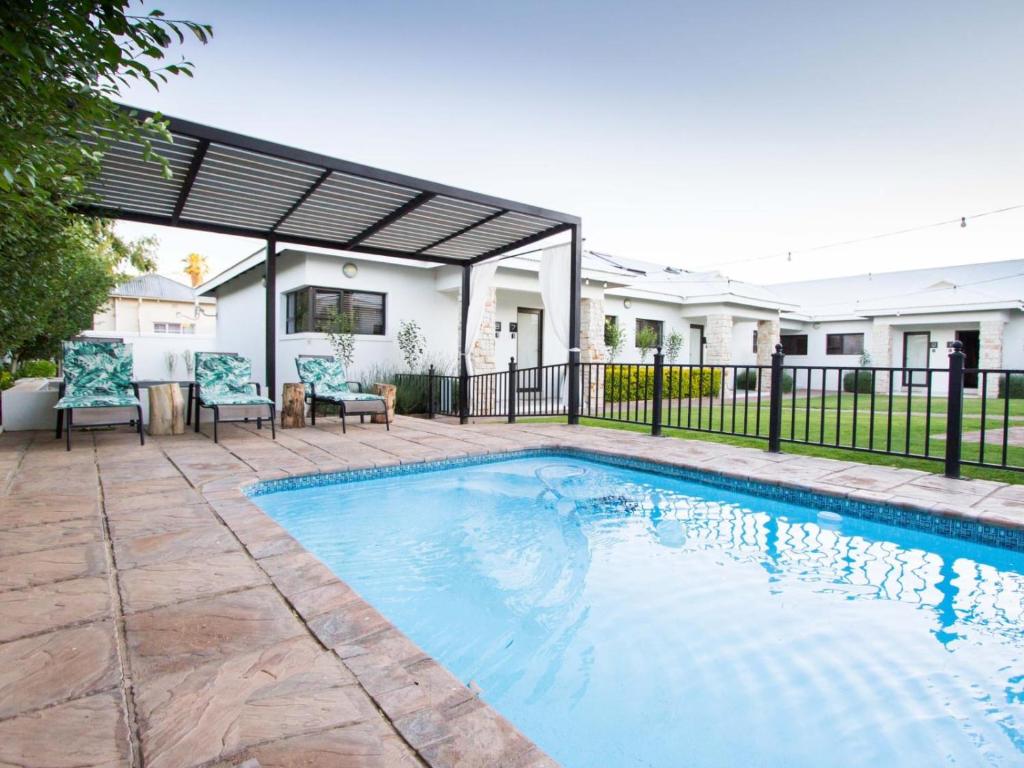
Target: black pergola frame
(202,138)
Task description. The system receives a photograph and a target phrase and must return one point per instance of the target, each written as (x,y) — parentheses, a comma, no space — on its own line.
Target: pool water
(625,618)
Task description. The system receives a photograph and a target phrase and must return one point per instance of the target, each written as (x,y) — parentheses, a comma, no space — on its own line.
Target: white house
(165,322)
(893,319)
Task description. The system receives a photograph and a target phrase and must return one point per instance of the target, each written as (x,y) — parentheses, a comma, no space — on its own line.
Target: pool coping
(441,719)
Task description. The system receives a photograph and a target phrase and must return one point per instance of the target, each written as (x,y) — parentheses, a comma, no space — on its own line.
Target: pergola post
(467,270)
(271,317)
(575,289)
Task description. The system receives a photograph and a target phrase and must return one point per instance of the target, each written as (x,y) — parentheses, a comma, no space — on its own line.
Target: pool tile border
(948,522)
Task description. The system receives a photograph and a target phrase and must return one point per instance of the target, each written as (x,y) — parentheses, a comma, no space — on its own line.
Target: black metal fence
(958,416)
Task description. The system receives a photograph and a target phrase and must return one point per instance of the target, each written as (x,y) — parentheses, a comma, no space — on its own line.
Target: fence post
(775,402)
(659,388)
(513,390)
(430,393)
(954,410)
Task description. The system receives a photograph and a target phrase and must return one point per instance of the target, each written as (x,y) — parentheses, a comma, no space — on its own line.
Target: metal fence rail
(956,415)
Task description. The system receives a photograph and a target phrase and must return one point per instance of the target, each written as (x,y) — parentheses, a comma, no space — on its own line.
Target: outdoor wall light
(497,329)
(627,303)
(350,269)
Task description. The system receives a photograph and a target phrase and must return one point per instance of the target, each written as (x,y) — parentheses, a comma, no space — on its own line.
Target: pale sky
(694,134)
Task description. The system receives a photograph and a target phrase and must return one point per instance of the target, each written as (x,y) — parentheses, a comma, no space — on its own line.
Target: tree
(673,345)
(411,343)
(53,292)
(341,335)
(62,62)
(646,340)
(614,338)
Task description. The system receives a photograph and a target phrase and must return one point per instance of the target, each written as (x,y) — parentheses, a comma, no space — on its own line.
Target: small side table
(293,406)
(166,410)
(388,392)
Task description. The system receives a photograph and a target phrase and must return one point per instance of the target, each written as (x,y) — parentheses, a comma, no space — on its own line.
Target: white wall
(411,294)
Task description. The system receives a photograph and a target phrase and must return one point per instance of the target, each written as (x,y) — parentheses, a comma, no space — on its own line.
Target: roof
(238,185)
(960,288)
(154,286)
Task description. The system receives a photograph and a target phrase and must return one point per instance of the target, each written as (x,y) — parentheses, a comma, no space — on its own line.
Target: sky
(694,134)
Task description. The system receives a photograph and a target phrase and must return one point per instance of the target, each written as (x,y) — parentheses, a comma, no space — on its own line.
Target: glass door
(529,347)
(696,345)
(916,348)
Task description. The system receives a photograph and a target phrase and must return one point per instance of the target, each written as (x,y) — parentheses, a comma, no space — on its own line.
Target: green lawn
(855,425)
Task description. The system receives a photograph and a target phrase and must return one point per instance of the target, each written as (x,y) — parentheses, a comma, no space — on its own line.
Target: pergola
(234,184)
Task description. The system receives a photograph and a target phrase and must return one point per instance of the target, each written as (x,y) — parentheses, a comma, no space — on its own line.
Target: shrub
(6,380)
(36,369)
(1016,389)
(748,380)
(636,382)
(857,381)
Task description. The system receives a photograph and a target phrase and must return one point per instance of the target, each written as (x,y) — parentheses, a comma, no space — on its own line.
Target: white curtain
(555,273)
(480,278)
(554,291)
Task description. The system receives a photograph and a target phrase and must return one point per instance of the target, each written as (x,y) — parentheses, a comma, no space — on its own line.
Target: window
(794,344)
(844,344)
(611,324)
(654,325)
(175,328)
(312,309)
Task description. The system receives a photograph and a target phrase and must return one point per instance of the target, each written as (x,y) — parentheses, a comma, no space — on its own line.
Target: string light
(962,220)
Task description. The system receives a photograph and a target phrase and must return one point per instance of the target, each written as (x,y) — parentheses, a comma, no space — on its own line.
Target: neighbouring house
(159,317)
(896,318)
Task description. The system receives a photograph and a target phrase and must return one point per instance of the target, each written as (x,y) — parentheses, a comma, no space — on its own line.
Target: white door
(529,327)
(696,345)
(916,346)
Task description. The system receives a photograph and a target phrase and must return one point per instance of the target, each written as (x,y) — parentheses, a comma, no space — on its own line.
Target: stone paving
(151,615)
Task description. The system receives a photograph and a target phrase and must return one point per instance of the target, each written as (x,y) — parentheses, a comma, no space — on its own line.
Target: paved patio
(150,615)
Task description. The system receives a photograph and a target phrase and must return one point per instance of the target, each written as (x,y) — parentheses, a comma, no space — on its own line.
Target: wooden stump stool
(166,410)
(388,392)
(293,406)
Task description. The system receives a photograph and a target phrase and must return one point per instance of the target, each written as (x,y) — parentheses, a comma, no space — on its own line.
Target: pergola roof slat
(236,184)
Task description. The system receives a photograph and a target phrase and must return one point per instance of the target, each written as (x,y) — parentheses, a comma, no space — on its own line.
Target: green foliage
(857,381)
(636,382)
(411,343)
(1015,390)
(341,335)
(36,369)
(747,380)
(614,338)
(61,65)
(646,340)
(6,380)
(673,345)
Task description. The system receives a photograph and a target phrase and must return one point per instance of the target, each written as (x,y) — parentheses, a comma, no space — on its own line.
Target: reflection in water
(622,619)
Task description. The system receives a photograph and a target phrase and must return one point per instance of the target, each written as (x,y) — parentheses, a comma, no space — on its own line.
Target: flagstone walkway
(151,615)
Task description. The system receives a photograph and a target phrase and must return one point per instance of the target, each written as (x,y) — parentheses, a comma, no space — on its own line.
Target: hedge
(747,380)
(859,379)
(636,382)
(1016,388)
(36,369)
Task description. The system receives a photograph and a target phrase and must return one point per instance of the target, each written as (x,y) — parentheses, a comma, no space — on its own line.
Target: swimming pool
(621,617)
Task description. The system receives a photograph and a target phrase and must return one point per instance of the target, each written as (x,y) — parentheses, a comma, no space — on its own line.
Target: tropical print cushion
(97,401)
(97,368)
(327,375)
(352,396)
(221,376)
(234,398)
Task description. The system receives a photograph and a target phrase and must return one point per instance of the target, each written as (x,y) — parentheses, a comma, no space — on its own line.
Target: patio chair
(324,380)
(98,375)
(224,379)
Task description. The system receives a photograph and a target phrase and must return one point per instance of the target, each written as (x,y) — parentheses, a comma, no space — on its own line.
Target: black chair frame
(196,391)
(68,419)
(313,399)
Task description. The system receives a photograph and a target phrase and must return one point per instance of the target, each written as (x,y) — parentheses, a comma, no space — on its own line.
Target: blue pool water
(625,618)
